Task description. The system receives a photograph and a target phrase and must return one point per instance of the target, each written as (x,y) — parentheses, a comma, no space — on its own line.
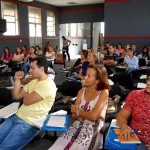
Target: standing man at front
(66,44)
(38,97)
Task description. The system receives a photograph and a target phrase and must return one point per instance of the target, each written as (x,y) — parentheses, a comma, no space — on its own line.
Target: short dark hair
(41,62)
(131,49)
(64,37)
(102,76)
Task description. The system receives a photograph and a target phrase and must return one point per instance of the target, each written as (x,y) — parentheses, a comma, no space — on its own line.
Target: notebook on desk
(113,143)
(56,121)
(133,137)
(46,127)
(40,122)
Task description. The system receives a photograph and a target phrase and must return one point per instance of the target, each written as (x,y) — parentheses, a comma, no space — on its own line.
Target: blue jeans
(16,133)
(130,70)
(25,68)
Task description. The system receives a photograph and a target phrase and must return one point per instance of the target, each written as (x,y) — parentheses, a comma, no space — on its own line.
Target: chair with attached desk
(125,79)
(112,143)
(55,129)
(43,124)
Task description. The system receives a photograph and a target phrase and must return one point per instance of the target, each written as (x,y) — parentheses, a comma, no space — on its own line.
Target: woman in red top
(138,105)
(119,50)
(24,50)
(7,55)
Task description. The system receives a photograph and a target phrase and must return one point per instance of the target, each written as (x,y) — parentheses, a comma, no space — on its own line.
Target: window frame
(36,16)
(51,28)
(15,17)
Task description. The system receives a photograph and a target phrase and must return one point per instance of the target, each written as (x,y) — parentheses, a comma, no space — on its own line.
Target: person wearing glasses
(137,105)
(38,97)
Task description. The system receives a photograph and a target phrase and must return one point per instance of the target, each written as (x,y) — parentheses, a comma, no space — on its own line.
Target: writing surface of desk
(57,129)
(112,143)
(121,67)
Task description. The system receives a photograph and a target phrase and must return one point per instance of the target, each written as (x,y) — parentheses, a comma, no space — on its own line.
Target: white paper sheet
(56,121)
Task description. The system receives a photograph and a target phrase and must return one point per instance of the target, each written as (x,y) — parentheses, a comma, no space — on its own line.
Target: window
(10,13)
(35,29)
(50,24)
(77,29)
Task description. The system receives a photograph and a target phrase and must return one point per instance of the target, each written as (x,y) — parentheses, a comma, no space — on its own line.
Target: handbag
(112,104)
(59,58)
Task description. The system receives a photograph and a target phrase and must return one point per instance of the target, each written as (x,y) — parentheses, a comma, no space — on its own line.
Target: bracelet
(78,112)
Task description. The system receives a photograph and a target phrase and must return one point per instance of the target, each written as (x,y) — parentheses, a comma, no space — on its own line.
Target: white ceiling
(62,3)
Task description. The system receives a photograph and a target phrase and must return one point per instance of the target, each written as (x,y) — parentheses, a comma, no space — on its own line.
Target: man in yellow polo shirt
(38,98)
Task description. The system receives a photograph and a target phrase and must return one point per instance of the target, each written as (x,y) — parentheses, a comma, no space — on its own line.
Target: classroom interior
(86,25)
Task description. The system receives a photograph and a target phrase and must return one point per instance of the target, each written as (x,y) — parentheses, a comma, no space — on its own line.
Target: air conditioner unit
(26,1)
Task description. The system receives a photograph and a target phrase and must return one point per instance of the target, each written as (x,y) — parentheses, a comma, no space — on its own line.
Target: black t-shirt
(113,57)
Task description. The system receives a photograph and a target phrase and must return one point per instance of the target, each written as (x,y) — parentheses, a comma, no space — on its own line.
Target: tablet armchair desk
(112,144)
(55,129)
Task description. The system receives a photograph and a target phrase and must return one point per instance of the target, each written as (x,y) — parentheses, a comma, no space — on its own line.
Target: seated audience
(119,50)
(144,54)
(24,50)
(7,55)
(91,60)
(137,105)
(89,112)
(131,62)
(13,63)
(103,52)
(136,51)
(18,55)
(38,97)
(106,44)
(46,46)
(50,55)
(38,50)
(26,66)
(111,59)
(148,47)
(78,64)
(127,46)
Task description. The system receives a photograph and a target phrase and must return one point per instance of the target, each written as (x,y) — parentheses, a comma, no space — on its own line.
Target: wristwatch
(78,112)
